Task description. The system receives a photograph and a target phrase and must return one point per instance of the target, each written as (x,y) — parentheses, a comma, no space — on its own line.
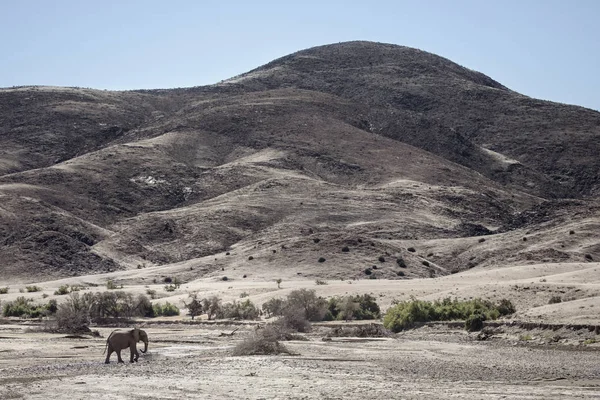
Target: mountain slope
(371,146)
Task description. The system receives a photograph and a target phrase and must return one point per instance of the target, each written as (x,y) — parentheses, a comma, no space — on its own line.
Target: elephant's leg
(134,352)
(108,353)
(119,356)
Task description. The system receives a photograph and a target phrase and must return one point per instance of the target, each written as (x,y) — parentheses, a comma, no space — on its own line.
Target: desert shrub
(425,263)
(243,310)
(294,318)
(73,315)
(168,279)
(368,271)
(316,240)
(34,288)
(278,281)
(144,307)
(400,273)
(273,307)
(358,307)
(321,282)
(401,263)
(481,240)
(151,293)
(166,310)
(224,278)
(571,232)
(170,288)
(589,257)
(211,306)
(411,249)
(314,307)
(260,343)
(111,285)
(370,330)
(406,314)
(244,294)
(194,306)
(25,308)
(4,290)
(474,322)
(381,259)
(321,259)
(250,258)
(62,290)
(555,300)
(345,249)
(506,307)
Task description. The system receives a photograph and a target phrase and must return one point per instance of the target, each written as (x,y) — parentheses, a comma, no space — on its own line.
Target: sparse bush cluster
(31,289)
(406,314)
(25,308)
(173,284)
(302,306)
(66,289)
(4,290)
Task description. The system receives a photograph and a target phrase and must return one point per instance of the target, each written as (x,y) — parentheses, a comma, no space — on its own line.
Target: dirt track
(193,361)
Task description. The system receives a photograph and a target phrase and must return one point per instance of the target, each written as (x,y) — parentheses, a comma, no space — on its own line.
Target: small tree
(212,306)
(278,283)
(194,306)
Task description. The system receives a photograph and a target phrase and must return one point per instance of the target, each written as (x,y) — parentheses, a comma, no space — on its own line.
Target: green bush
(243,310)
(4,290)
(555,300)
(358,307)
(111,285)
(166,309)
(25,308)
(406,314)
(34,288)
(62,290)
(474,322)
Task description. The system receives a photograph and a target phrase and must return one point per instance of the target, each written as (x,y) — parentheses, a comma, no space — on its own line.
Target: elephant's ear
(136,334)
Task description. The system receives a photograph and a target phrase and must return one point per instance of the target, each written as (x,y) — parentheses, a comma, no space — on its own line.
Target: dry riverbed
(195,361)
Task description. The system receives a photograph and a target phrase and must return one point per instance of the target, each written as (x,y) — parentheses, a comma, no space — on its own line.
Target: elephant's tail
(107,339)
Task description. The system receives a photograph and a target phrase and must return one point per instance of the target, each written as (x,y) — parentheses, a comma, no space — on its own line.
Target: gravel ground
(196,362)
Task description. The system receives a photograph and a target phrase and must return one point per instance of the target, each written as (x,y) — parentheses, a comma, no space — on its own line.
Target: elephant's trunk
(145,347)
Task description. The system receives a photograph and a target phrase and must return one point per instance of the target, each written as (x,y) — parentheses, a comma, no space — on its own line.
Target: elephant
(119,340)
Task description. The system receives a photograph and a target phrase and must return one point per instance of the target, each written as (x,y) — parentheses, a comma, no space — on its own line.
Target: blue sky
(542,48)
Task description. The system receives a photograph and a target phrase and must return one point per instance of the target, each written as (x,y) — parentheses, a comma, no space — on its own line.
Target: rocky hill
(325,163)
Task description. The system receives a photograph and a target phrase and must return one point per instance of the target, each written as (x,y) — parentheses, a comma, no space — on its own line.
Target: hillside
(374,147)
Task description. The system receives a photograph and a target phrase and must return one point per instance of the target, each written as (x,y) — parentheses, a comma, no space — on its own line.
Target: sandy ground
(193,361)
(435,362)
